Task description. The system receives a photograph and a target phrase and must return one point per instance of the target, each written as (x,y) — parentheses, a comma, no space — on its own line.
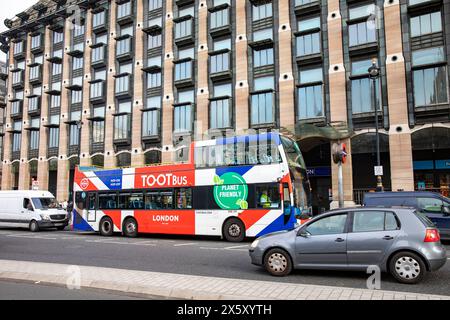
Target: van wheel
(278,262)
(234,230)
(34,227)
(407,267)
(106,227)
(130,228)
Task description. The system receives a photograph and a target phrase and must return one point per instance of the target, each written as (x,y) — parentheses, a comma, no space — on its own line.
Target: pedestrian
(64,204)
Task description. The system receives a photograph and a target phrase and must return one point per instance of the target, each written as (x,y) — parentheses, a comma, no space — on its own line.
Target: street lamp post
(374,74)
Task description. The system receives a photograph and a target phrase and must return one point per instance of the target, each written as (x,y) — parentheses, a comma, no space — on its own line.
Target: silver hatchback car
(397,240)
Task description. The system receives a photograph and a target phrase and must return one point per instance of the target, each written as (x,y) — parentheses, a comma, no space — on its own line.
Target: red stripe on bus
(250,217)
(169,222)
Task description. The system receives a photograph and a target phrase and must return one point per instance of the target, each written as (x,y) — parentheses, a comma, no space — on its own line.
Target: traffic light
(339,152)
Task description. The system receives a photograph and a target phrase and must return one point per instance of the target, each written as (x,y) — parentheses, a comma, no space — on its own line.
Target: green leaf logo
(244,205)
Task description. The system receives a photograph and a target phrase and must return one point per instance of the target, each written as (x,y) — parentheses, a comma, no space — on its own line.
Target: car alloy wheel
(277,262)
(407,268)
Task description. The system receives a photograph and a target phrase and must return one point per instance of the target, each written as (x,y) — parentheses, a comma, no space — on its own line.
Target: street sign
(378,170)
(339,152)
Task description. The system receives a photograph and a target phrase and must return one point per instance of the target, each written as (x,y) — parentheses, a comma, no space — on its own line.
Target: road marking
(145,243)
(237,247)
(185,244)
(31,237)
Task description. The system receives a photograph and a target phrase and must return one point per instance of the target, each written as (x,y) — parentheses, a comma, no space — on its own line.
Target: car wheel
(130,228)
(34,227)
(407,267)
(106,227)
(278,262)
(234,230)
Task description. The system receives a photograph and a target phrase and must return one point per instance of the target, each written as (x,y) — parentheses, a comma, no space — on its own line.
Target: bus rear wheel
(234,230)
(106,227)
(130,228)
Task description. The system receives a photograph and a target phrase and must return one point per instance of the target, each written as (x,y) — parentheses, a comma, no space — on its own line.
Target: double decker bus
(244,186)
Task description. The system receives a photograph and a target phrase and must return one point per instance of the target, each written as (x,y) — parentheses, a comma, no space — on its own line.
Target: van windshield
(45,203)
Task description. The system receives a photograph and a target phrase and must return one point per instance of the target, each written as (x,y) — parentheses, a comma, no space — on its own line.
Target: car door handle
(388,238)
(339,240)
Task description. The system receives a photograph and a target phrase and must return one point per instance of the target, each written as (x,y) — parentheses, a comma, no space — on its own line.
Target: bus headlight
(45,217)
(254,244)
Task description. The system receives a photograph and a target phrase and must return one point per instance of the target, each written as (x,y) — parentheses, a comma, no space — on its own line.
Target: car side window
(328,225)
(390,222)
(27,204)
(367,221)
(430,205)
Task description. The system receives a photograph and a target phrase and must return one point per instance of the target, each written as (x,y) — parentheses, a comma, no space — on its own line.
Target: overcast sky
(9,9)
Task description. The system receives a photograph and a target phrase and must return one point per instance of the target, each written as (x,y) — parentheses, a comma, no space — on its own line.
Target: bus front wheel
(234,230)
(106,227)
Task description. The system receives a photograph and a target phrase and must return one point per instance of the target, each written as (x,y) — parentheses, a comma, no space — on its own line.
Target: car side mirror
(303,233)
(446,210)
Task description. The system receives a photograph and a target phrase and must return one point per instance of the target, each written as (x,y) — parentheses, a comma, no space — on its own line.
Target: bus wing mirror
(446,210)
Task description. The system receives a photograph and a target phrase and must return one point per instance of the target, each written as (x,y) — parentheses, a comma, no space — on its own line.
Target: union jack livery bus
(244,186)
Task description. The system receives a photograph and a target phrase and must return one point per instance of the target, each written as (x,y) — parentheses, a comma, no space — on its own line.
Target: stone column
(137,155)
(242,89)
(168,98)
(400,148)
(6,166)
(43,133)
(338,100)
(110,159)
(85,142)
(62,190)
(24,168)
(202,107)
(286,80)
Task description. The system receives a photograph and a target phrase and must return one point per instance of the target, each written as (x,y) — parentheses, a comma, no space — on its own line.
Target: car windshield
(45,203)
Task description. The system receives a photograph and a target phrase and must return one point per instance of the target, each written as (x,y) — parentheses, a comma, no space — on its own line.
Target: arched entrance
(15,175)
(152,157)
(123,159)
(431,159)
(73,163)
(52,175)
(33,167)
(364,159)
(98,161)
(317,155)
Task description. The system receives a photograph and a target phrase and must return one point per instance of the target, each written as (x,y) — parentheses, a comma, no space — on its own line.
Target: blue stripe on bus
(79,223)
(240,170)
(278,225)
(111,178)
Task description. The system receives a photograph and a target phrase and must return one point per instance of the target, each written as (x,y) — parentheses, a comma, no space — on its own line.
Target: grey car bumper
(52,224)
(256,257)
(436,264)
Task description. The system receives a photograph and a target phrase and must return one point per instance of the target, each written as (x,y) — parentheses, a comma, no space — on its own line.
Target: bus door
(91,207)
(287,204)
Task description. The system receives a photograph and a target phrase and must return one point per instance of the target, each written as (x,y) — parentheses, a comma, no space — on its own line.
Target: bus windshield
(45,203)
(293,153)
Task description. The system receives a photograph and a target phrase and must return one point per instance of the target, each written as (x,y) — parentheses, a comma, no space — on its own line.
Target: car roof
(401,194)
(371,208)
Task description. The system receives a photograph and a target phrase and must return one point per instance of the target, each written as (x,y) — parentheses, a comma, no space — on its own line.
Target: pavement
(179,286)
(204,259)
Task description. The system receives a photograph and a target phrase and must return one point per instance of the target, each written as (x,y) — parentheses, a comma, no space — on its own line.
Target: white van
(31,209)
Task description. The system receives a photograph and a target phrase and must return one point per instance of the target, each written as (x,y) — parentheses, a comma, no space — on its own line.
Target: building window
(153,80)
(58,37)
(53,138)
(186,11)
(362,32)
(124,10)
(150,123)
(76,97)
(264,34)
(123,84)
(18,47)
(263,57)
(154,41)
(36,41)
(262,101)
(310,94)
(17,137)
(426,24)
(154,4)
(34,138)
(98,19)
(220,106)
(183,118)
(183,70)
(98,54)
(56,69)
(429,77)
(308,37)
(220,62)
(35,73)
(77,63)
(98,126)
(33,103)
(361,87)
(122,121)
(183,29)
(55,101)
(220,18)
(262,11)
(78,30)
(123,46)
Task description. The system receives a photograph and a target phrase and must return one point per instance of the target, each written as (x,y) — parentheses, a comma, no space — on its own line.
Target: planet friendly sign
(230,191)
